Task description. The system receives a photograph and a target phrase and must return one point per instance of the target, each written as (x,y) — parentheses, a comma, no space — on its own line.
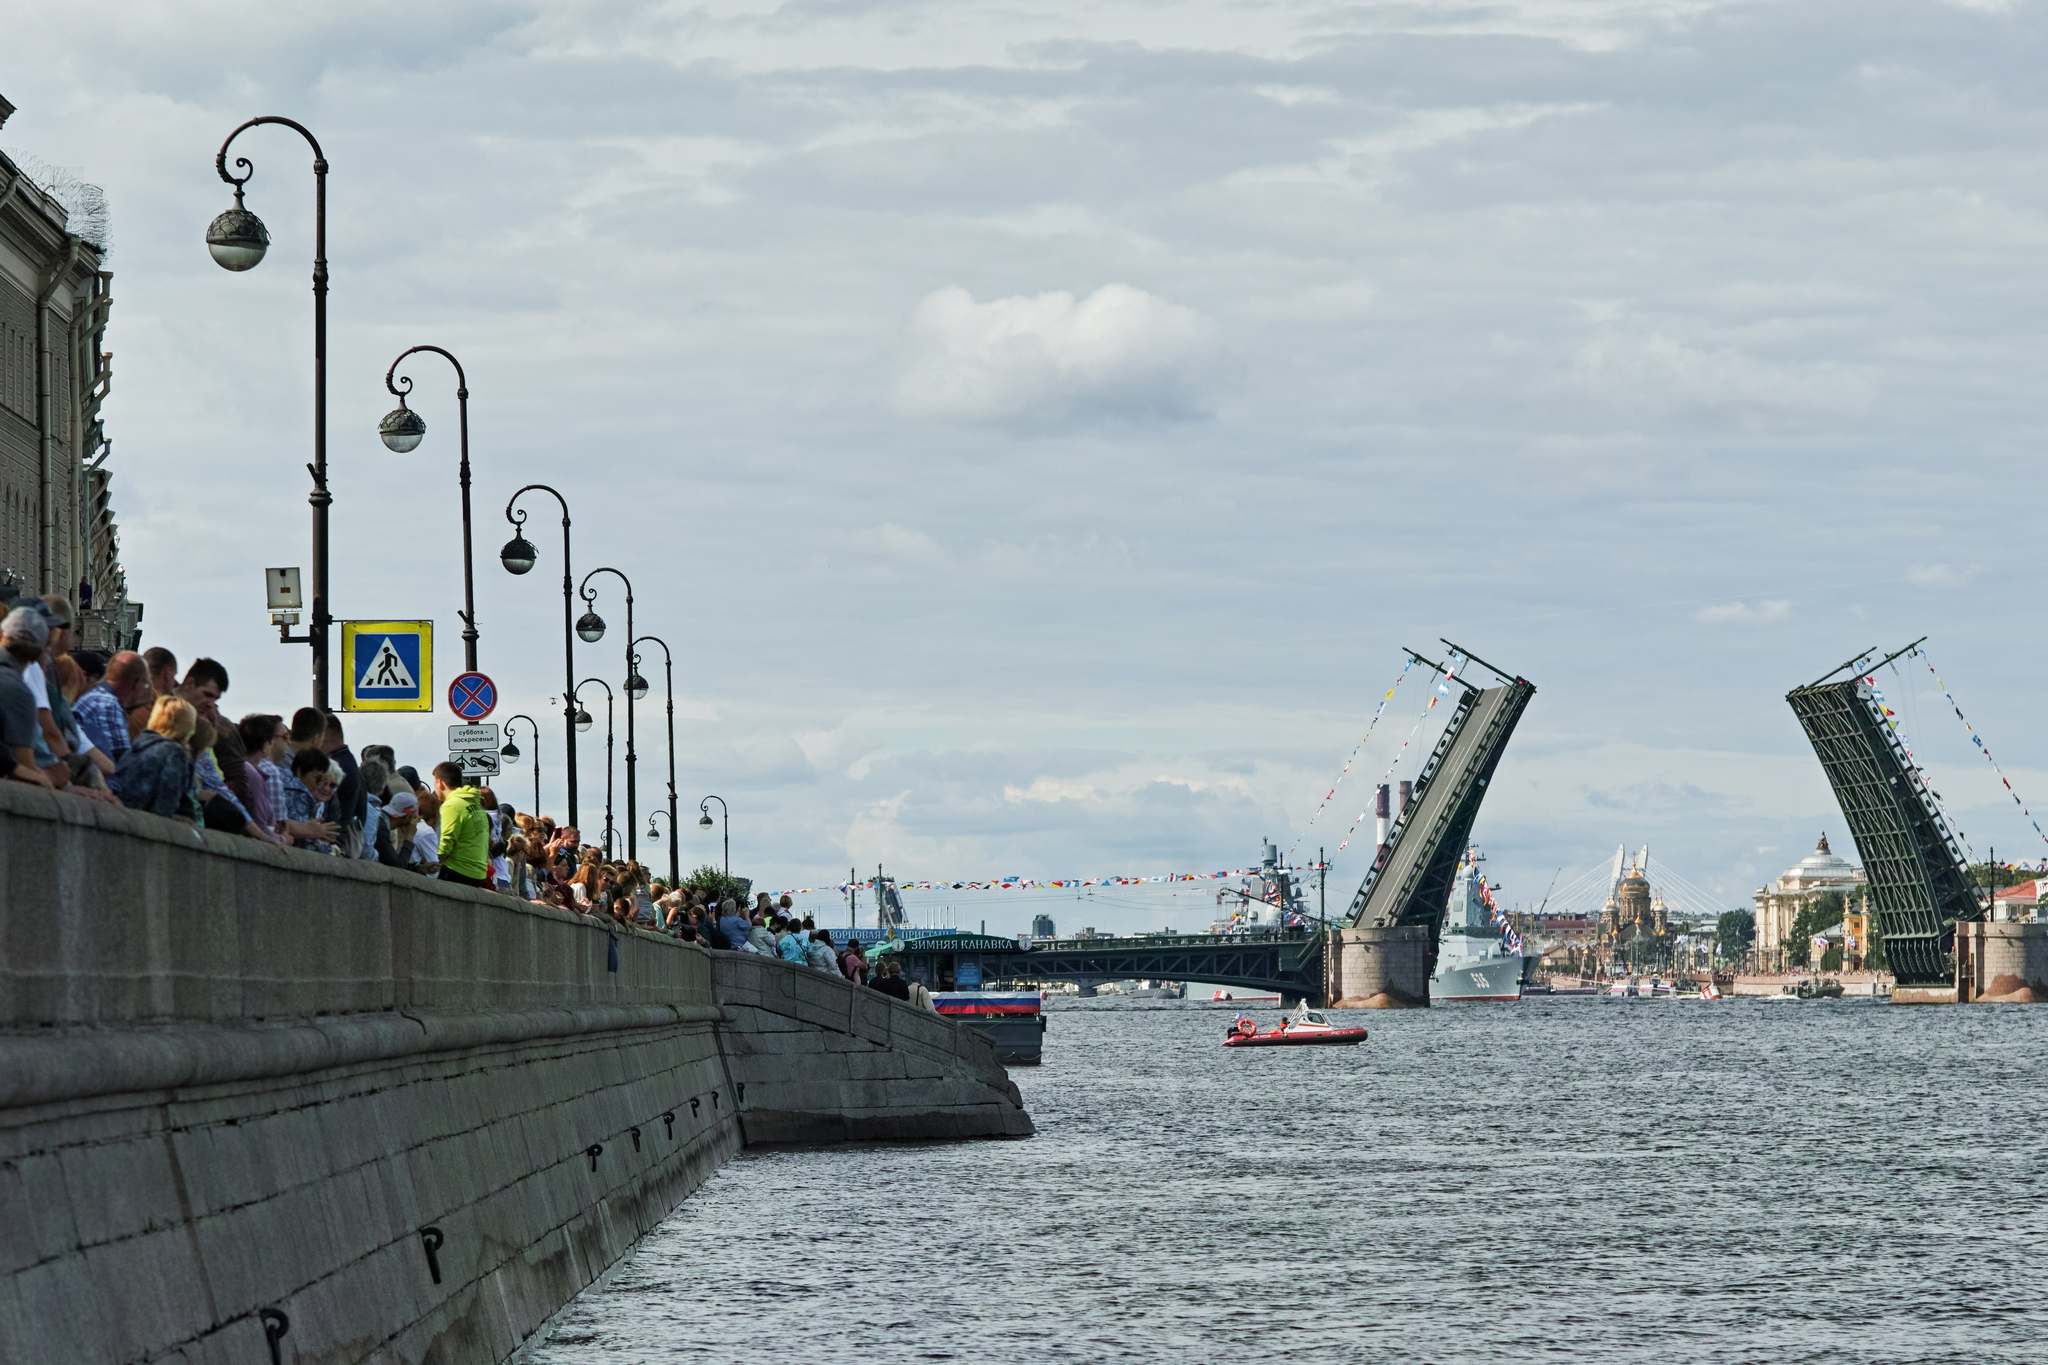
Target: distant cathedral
(1632,910)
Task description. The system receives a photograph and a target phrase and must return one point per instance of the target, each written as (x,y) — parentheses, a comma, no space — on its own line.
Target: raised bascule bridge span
(1381,953)
(1937,941)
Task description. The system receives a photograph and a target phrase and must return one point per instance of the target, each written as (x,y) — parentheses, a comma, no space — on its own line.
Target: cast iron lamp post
(510,753)
(402,430)
(654,837)
(582,722)
(705,806)
(237,240)
(519,557)
(590,628)
(668,665)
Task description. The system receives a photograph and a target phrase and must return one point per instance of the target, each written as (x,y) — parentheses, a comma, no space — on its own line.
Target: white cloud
(1649,369)
(1526,324)
(1051,357)
(1742,614)
(905,546)
(1938,576)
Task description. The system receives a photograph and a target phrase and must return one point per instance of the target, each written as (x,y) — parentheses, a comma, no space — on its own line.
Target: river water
(1612,1180)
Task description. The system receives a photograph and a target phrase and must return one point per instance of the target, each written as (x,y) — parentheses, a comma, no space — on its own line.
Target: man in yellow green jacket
(465,829)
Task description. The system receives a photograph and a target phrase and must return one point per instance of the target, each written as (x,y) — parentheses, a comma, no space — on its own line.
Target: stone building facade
(1779,903)
(57,532)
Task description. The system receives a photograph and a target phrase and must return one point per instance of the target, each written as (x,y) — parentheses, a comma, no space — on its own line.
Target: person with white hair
(23,635)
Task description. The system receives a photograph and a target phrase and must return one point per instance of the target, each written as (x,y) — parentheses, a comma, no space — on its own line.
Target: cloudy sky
(1039,428)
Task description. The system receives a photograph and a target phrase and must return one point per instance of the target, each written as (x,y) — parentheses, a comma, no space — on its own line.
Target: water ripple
(1612,1179)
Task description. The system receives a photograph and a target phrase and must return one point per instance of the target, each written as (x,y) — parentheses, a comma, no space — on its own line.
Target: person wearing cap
(22,635)
(81,761)
(402,812)
(50,748)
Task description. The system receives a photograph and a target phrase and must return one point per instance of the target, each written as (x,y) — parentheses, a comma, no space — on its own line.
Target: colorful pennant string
(1891,718)
(1442,690)
(1982,747)
(1052,884)
(1382,710)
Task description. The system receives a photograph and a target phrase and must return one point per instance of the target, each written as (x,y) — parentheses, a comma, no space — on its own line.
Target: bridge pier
(1379,969)
(2001,963)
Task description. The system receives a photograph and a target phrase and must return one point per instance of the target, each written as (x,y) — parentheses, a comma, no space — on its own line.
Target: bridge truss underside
(1290,964)
(1915,866)
(1410,884)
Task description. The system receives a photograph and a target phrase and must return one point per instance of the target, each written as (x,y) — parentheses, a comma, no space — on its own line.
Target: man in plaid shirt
(102,712)
(267,742)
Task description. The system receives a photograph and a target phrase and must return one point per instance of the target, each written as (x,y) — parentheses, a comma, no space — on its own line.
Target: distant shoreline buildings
(57,532)
(1779,903)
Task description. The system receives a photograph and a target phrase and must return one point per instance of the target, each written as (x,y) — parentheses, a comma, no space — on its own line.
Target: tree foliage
(1733,933)
(1824,911)
(716,885)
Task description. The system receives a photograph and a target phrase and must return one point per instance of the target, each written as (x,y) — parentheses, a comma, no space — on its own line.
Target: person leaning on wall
(465,830)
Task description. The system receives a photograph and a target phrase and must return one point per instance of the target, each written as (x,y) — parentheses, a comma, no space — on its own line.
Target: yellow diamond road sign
(387,665)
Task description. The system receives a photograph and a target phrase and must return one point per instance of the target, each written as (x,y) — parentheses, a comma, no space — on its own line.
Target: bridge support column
(2002,963)
(1379,969)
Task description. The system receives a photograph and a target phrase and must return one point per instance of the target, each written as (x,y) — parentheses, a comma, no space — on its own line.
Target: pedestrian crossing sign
(387,665)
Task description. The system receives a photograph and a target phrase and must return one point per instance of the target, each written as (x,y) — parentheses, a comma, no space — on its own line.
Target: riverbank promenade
(251,1095)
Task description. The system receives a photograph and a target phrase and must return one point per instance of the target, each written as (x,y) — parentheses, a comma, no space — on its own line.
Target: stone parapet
(414,1118)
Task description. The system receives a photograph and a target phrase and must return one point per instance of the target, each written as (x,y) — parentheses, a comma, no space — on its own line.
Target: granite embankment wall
(405,1120)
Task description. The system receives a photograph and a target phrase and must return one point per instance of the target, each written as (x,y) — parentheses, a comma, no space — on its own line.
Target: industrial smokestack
(1382,810)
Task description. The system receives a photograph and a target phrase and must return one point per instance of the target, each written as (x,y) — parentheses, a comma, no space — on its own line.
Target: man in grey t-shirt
(23,634)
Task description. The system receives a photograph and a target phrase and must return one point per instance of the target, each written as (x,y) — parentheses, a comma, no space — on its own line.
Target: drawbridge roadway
(1283,962)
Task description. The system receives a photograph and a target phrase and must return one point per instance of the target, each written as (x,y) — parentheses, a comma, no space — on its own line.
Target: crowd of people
(127,728)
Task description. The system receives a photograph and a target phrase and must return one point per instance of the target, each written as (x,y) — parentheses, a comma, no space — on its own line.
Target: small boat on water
(1620,988)
(1229,996)
(1709,991)
(1303,1028)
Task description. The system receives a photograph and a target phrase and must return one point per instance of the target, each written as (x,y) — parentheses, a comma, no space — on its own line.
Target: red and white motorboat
(1304,1028)
(1709,991)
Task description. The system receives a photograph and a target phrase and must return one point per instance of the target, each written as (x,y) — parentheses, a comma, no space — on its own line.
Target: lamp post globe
(590,628)
(510,753)
(636,687)
(518,556)
(707,822)
(402,429)
(237,238)
(582,720)
(653,834)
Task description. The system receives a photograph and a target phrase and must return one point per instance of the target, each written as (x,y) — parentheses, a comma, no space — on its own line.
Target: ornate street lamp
(582,722)
(510,753)
(591,629)
(237,240)
(705,806)
(519,557)
(668,664)
(402,431)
